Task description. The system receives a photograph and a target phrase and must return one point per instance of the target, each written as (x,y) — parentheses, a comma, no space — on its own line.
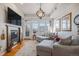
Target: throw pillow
(75,42)
(57,39)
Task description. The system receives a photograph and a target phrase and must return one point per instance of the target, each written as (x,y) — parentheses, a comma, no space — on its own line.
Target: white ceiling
(31,8)
(50,9)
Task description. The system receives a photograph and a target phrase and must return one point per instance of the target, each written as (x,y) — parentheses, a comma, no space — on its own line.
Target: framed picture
(66,22)
(2,35)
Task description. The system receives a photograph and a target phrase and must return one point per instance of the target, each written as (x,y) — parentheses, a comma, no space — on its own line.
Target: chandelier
(40,13)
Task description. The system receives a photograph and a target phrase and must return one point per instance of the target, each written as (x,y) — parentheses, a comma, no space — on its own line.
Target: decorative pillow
(66,41)
(57,39)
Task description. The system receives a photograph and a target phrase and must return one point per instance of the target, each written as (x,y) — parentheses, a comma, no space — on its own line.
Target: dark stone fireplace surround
(13,36)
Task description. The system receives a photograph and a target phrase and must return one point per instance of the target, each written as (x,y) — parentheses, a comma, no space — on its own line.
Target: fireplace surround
(13,36)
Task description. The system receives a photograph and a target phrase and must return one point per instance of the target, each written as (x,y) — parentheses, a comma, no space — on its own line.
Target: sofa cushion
(66,41)
(46,43)
(75,42)
(65,50)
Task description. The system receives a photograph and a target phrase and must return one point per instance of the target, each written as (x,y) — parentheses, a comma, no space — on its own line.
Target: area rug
(29,48)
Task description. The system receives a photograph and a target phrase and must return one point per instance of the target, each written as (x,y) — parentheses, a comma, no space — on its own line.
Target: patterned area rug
(29,48)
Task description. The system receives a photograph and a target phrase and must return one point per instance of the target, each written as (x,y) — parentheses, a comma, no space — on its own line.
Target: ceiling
(51,9)
(30,9)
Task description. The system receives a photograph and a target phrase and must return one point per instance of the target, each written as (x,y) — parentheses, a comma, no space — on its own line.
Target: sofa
(66,47)
(41,38)
(65,50)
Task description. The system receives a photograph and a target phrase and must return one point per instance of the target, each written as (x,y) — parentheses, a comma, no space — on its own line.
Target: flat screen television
(13,17)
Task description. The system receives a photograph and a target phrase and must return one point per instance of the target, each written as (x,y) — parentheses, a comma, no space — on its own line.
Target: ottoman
(45,48)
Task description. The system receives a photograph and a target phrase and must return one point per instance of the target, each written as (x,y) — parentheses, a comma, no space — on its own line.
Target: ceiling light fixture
(40,13)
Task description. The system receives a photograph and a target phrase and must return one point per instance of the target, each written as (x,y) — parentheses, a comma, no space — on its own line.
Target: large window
(66,22)
(57,25)
(39,26)
(43,26)
(35,26)
(63,24)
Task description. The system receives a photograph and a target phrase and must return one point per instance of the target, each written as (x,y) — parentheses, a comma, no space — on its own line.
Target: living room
(44,29)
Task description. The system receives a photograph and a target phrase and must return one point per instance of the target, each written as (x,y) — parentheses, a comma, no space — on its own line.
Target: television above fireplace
(13,17)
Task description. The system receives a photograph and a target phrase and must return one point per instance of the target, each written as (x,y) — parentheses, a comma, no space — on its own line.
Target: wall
(2,41)
(2,27)
(63,10)
(3,17)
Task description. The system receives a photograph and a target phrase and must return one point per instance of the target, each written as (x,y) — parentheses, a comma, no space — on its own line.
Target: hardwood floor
(28,49)
(14,50)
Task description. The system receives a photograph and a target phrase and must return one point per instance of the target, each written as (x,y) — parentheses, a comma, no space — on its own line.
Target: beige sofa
(67,49)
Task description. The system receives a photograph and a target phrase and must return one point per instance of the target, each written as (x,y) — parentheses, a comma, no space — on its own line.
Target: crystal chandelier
(40,13)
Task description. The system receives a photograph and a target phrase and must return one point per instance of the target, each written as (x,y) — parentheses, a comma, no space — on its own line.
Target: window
(40,26)
(35,26)
(66,22)
(43,26)
(57,25)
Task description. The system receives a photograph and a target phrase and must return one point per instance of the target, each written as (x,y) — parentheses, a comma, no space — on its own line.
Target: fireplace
(13,36)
